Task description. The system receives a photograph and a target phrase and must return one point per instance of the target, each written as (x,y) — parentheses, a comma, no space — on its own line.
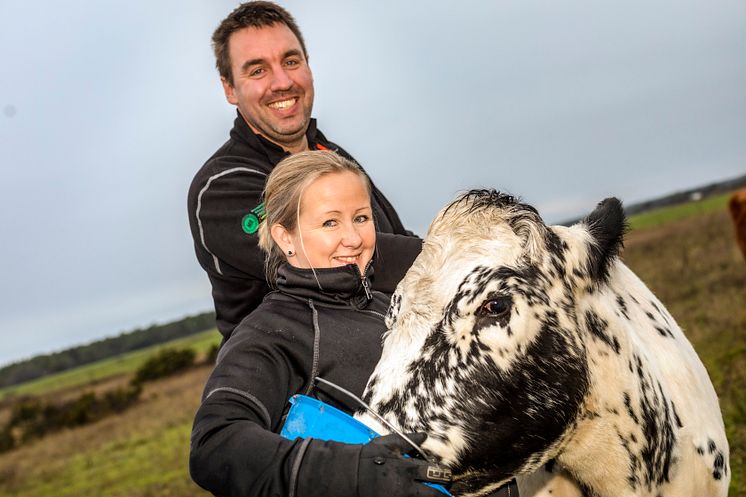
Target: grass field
(140,453)
(688,258)
(674,213)
(102,370)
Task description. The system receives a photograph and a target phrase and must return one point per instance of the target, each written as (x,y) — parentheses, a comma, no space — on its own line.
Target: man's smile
(283,104)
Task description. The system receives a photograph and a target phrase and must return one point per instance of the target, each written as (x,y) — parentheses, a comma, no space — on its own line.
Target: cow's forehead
(447,259)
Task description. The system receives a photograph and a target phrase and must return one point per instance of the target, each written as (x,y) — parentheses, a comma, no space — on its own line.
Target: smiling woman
(318,214)
(324,321)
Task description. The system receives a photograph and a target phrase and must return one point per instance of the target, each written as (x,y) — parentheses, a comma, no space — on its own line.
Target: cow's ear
(607,225)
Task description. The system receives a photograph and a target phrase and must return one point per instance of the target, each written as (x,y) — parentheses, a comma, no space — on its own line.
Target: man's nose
(281,80)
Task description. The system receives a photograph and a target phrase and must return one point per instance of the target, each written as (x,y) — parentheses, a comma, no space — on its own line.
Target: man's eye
(256,72)
(292,62)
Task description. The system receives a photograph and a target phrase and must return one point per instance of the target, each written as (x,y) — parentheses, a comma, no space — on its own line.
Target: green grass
(107,368)
(666,215)
(142,452)
(152,461)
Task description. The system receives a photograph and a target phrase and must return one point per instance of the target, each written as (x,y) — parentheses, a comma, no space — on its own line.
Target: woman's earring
(290,253)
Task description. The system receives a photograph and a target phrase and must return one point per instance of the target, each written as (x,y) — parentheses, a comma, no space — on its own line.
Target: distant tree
(42,365)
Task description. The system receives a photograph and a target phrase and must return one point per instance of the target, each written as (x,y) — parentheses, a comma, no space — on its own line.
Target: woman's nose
(351,237)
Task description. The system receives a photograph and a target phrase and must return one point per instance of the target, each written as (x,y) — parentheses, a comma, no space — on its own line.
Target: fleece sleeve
(224,212)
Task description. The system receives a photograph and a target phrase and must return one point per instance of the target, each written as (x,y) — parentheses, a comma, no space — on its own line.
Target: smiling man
(263,65)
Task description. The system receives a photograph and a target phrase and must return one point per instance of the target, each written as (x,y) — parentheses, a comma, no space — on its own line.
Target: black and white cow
(515,344)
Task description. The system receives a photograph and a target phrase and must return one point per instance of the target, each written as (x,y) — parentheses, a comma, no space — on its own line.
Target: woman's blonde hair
(283,195)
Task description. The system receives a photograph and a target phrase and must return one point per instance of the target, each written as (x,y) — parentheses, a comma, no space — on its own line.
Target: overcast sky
(108,108)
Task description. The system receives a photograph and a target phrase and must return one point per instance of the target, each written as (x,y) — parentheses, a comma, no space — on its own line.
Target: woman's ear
(282,238)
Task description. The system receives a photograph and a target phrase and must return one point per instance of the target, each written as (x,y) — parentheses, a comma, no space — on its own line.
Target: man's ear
(282,237)
(230,93)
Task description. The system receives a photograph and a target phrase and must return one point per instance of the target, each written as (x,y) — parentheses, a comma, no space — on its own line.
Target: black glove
(383,470)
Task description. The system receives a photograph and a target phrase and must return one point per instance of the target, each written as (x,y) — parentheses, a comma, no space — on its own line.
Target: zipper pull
(366,287)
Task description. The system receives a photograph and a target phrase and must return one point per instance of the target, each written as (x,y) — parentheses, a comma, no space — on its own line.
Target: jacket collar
(241,131)
(339,285)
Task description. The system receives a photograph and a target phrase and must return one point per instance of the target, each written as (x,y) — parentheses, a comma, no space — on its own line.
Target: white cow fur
(446,365)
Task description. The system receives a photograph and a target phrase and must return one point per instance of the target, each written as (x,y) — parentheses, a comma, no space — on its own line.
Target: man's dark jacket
(221,199)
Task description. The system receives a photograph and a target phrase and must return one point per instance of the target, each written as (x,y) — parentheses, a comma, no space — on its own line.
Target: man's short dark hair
(257,14)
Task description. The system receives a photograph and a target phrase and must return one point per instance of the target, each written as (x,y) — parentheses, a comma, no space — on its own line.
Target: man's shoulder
(231,155)
(232,162)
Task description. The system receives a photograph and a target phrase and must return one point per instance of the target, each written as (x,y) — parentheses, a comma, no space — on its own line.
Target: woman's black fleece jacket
(297,333)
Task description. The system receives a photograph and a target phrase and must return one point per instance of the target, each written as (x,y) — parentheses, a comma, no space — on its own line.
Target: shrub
(212,354)
(34,418)
(7,442)
(164,363)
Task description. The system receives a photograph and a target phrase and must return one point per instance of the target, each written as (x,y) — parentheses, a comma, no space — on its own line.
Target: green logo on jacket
(250,222)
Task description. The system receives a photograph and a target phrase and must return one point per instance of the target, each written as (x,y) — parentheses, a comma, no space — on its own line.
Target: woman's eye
(496,307)
(329,223)
(361,219)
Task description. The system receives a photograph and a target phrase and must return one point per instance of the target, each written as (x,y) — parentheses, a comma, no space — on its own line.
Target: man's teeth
(283,104)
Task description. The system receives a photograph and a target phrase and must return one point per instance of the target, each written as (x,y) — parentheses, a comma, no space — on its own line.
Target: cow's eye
(496,307)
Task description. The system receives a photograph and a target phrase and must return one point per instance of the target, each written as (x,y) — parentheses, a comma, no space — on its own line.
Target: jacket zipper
(366,283)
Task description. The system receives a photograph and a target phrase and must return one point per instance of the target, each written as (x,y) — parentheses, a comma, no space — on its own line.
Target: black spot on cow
(664,332)
(554,368)
(676,417)
(658,435)
(630,410)
(556,249)
(599,328)
(393,310)
(622,306)
(718,466)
